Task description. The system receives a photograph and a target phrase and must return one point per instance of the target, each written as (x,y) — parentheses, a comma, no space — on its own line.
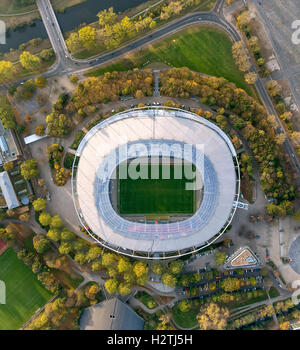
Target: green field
(161,196)
(185,319)
(24,293)
(204,49)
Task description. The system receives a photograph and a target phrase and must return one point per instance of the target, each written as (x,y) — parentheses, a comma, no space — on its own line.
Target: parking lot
(277,17)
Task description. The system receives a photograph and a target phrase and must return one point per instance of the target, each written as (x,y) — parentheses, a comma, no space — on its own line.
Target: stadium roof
(110,315)
(149,126)
(8,191)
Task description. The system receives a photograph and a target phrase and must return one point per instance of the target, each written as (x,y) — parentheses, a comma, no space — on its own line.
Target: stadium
(155,182)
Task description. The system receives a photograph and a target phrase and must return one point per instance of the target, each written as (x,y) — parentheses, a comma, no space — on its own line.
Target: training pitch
(24,293)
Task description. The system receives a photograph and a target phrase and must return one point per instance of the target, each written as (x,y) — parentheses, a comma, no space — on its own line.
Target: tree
(7,70)
(96,265)
(124,288)
(157,267)
(140,268)
(168,279)
(8,166)
(41,244)
(280,139)
(230,284)
(184,305)
(7,114)
(80,258)
(65,248)
(213,316)
(93,253)
(243,20)
(29,169)
(240,56)
(74,79)
(54,234)
(24,217)
(109,260)
(176,266)
(6,236)
(111,285)
(29,61)
(56,222)
(87,36)
(92,291)
(273,88)
(73,42)
(40,130)
(284,326)
(45,219)
(106,17)
(40,82)
(251,78)
(220,258)
(57,124)
(39,204)
(124,265)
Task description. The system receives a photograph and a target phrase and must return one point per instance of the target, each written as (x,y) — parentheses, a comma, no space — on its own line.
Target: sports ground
(24,293)
(166,195)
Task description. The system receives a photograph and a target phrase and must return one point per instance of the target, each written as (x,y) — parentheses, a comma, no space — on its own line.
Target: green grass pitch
(155,196)
(24,293)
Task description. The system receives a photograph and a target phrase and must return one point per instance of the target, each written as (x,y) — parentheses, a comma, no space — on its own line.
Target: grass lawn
(203,49)
(185,319)
(146,299)
(15,6)
(24,293)
(273,292)
(253,300)
(154,196)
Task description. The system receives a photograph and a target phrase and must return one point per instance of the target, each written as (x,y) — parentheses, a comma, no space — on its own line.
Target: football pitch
(155,196)
(24,293)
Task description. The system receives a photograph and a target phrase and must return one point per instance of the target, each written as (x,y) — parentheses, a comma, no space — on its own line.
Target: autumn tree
(7,71)
(87,36)
(243,20)
(240,56)
(274,88)
(7,114)
(168,279)
(39,204)
(251,78)
(176,266)
(106,17)
(157,267)
(124,288)
(29,61)
(56,222)
(40,130)
(111,285)
(45,219)
(213,316)
(7,166)
(29,169)
(41,244)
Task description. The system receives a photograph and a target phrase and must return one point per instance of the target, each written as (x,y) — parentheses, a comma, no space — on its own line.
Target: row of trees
(28,61)
(111,32)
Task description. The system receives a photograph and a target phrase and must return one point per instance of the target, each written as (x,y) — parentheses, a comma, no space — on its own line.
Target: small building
(110,314)
(33,138)
(244,257)
(8,191)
